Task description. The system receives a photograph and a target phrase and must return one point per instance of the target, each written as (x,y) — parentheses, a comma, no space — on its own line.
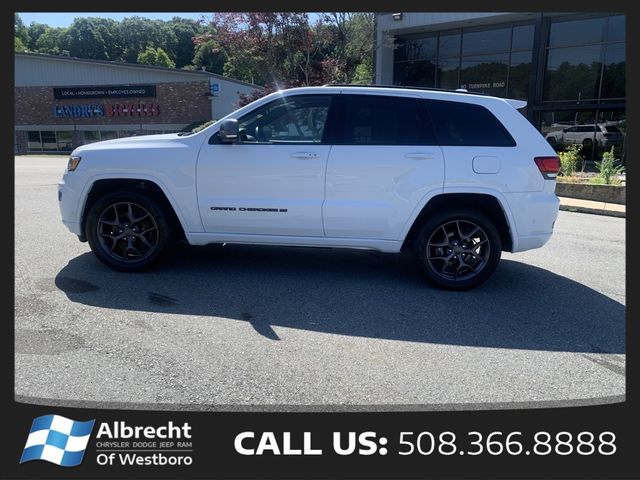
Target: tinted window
(522,37)
(577,32)
(573,73)
(486,41)
(485,74)
(298,119)
(611,128)
(613,75)
(449,44)
(465,124)
(377,120)
(519,75)
(617,28)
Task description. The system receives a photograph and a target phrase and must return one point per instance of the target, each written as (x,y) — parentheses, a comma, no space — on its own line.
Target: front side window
(299,119)
(467,124)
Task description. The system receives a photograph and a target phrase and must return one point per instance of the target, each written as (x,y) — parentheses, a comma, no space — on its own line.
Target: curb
(594,211)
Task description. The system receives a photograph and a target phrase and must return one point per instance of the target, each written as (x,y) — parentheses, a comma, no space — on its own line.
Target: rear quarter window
(465,124)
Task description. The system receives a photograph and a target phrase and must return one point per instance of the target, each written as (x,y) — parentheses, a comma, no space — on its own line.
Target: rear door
(384,159)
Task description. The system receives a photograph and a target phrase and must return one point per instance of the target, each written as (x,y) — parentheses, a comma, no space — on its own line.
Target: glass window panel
(373,120)
(65,141)
(617,28)
(519,75)
(522,37)
(465,124)
(49,142)
(577,32)
(613,76)
(448,70)
(449,44)
(486,41)
(91,137)
(614,125)
(33,141)
(572,73)
(400,49)
(485,74)
(294,119)
(108,135)
(424,48)
(416,74)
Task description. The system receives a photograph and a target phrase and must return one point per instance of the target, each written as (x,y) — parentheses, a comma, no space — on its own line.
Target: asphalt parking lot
(251,327)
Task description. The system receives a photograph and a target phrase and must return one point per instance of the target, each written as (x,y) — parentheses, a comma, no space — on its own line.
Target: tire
(552,141)
(463,258)
(123,244)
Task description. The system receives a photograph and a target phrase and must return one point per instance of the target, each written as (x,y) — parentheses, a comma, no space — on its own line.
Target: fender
(480,190)
(182,218)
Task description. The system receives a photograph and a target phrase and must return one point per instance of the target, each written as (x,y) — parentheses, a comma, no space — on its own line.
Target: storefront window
(577,32)
(126,133)
(424,48)
(449,44)
(613,74)
(91,137)
(522,37)
(519,75)
(49,142)
(419,74)
(65,141)
(108,135)
(617,29)
(573,73)
(485,74)
(34,142)
(448,71)
(486,41)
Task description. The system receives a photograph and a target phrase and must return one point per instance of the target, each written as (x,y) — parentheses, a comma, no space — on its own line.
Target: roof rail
(457,90)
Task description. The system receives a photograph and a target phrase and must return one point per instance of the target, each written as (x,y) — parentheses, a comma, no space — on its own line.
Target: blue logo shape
(58,440)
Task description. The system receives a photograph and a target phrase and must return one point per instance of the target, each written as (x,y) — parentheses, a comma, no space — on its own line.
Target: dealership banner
(105,91)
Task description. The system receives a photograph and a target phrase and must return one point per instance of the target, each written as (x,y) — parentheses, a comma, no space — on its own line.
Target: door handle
(419,156)
(305,155)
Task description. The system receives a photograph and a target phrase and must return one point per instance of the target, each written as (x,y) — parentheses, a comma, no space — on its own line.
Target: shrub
(609,168)
(569,160)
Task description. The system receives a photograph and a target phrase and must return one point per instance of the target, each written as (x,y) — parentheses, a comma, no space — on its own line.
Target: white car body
(334,195)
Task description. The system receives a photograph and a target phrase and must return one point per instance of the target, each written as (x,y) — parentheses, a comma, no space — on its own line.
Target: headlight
(74,160)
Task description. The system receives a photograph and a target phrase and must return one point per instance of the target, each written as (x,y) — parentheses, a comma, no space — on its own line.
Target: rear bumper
(535,214)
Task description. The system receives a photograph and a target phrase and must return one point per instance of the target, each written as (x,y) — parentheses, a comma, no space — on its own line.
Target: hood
(129,142)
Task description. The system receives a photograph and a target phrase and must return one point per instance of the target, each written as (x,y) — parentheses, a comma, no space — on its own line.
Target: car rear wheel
(458,249)
(128,231)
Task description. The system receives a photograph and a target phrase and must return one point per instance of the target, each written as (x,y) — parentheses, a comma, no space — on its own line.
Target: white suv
(455,177)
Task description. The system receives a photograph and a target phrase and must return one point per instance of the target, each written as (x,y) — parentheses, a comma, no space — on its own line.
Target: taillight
(548,166)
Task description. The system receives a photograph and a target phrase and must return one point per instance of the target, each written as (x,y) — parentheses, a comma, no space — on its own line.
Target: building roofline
(135,66)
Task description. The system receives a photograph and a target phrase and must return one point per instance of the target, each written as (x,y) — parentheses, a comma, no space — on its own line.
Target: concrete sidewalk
(589,206)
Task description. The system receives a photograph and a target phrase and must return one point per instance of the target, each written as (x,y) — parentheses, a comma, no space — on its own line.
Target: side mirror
(228,132)
(564,130)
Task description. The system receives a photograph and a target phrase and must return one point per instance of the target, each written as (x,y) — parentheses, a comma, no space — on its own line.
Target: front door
(271,182)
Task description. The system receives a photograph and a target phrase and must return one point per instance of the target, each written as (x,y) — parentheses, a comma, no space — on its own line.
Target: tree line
(270,49)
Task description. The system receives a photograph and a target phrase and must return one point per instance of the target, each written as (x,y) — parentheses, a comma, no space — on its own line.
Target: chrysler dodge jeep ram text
(455,177)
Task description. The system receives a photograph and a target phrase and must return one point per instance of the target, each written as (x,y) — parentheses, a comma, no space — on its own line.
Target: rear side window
(380,120)
(466,124)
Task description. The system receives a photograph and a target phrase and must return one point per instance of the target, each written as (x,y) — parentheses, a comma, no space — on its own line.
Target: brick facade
(178,103)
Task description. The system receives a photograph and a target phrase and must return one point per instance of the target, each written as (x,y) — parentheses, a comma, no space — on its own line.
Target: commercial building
(570,68)
(63,102)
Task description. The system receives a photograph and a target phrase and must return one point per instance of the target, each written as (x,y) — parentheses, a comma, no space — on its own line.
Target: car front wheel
(128,231)
(458,249)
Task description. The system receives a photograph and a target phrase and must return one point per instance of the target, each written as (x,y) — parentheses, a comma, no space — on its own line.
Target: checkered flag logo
(57,440)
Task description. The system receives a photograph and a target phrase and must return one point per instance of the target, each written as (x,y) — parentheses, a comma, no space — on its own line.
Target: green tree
(86,40)
(184,30)
(35,30)
(155,56)
(18,45)
(53,41)
(20,31)
(137,33)
(210,56)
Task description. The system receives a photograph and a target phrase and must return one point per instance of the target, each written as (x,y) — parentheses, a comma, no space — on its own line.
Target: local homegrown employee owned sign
(105,91)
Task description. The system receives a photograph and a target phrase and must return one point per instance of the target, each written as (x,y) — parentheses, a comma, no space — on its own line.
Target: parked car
(605,136)
(454,177)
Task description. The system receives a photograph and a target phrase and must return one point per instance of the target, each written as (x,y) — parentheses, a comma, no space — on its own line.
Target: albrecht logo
(57,440)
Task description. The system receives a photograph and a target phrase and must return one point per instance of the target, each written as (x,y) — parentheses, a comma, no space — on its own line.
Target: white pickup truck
(455,177)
